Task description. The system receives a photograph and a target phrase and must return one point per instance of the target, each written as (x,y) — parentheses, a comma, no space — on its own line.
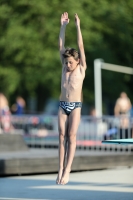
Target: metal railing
(42,131)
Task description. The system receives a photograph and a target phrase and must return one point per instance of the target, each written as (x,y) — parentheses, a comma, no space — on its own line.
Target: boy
(73,73)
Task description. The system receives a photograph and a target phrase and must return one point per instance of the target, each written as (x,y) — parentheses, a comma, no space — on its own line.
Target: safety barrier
(42,131)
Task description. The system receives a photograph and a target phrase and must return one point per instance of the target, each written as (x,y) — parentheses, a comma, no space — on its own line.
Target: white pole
(98,66)
(117,68)
(98,87)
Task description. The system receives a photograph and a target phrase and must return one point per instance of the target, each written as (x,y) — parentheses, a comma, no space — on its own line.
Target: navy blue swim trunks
(68,107)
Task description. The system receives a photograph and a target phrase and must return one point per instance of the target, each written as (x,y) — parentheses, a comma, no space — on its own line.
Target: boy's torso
(71,84)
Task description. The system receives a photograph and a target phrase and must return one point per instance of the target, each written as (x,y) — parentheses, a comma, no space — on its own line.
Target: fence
(42,131)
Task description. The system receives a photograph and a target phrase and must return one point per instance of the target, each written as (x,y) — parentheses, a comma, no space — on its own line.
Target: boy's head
(71,58)
(71,52)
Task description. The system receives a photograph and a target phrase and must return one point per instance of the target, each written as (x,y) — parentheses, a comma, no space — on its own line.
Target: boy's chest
(72,77)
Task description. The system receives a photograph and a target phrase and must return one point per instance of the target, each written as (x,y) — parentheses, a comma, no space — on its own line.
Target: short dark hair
(71,52)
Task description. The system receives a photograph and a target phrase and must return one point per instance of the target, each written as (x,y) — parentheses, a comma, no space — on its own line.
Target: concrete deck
(112,184)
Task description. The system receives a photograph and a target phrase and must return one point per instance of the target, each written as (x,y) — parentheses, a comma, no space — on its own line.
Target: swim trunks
(68,107)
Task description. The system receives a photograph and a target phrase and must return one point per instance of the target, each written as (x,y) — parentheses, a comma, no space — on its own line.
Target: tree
(29,45)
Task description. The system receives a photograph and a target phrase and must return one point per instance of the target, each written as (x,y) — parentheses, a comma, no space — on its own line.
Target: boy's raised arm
(64,22)
(80,42)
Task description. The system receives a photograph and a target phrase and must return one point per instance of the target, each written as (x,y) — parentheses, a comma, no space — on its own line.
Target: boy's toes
(57,182)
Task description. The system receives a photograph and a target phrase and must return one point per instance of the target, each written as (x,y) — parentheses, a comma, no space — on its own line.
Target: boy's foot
(58,180)
(65,177)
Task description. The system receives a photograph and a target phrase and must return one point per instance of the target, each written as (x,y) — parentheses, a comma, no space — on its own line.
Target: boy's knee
(72,137)
(61,135)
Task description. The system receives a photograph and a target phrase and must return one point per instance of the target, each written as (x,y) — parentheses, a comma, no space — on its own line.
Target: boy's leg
(62,126)
(73,123)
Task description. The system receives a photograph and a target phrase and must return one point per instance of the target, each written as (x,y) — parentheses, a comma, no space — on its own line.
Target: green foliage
(9,80)
(29,44)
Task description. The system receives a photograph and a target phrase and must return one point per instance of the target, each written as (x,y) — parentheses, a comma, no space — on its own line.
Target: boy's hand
(77,20)
(64,18)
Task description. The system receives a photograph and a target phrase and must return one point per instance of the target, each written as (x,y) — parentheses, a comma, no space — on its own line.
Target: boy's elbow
(81,46)
(60,47)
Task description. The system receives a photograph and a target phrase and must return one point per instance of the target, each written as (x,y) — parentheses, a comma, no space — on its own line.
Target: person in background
(123,105)
(19,106)
(3,104)
(122,110)
(5,115)
(93,112)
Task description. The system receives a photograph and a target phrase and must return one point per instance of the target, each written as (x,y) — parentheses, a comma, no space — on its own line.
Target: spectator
(18,107)
(123,105)
(3,104)
(122,110)
(5,120)
(93,112)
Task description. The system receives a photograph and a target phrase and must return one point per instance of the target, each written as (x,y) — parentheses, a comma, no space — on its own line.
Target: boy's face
(70,63)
